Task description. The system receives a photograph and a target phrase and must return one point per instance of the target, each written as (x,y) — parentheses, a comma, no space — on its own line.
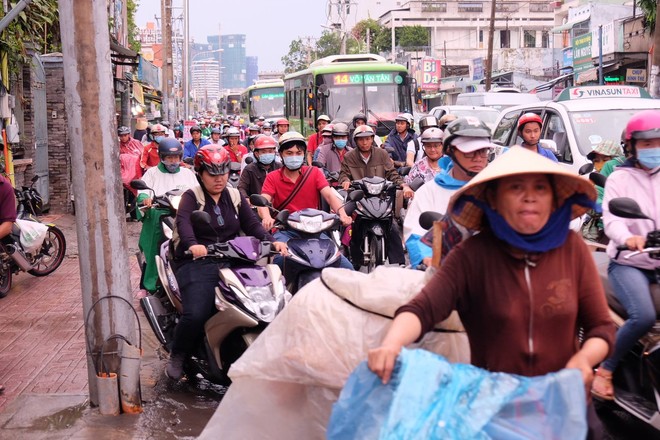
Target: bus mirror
(323,90)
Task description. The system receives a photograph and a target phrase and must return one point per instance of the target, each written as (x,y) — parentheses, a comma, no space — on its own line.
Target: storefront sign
(582,53)
(431,74)
(636,75)
(477,69)
(187,125)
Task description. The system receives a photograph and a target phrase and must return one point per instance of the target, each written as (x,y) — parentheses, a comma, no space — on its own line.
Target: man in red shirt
(150,157)
(280,183)
(316,138)
(235,149)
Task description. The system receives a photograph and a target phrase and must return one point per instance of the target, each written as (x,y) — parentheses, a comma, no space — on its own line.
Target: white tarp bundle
(286,382)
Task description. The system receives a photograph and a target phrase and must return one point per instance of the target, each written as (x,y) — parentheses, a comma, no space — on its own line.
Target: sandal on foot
(606,391)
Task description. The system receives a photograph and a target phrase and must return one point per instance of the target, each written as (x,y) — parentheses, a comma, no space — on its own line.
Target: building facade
(234,67)
(205,83)
(251,70)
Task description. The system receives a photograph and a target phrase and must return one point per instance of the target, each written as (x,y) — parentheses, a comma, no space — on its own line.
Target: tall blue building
(252,70)
(232,59)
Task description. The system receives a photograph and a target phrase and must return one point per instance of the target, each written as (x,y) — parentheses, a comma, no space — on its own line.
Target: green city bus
(341,86)
(264,98)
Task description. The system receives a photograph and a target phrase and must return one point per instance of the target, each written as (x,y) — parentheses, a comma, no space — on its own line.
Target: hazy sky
(270,26)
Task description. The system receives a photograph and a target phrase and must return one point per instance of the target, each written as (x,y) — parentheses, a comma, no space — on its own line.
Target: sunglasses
(221,220)
(484,152)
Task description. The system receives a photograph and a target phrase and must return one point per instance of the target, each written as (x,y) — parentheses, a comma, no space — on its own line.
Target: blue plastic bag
(430,398)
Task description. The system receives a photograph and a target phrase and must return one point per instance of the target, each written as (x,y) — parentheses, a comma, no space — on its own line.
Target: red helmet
(644,125)
(529,117)
(262,142)
(282,121)
(212,158)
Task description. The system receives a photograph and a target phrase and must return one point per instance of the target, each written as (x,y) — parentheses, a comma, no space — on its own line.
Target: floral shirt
(422,169)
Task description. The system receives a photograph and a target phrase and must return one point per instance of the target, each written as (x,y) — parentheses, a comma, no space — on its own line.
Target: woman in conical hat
(524,285)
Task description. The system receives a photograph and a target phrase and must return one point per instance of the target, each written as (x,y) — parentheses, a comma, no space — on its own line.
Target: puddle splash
(62,419)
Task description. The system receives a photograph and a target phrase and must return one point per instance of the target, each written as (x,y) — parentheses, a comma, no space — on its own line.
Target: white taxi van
(577,119)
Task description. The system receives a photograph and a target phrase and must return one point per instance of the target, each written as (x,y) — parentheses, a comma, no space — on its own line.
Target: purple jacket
(643,187)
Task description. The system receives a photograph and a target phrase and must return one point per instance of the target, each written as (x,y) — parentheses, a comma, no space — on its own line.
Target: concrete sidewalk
(44,369)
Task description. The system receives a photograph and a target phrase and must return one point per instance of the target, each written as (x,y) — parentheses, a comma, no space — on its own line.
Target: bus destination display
(347,79)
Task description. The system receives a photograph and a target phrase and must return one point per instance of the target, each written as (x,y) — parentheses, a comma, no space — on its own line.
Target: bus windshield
(379,95)
(267,102)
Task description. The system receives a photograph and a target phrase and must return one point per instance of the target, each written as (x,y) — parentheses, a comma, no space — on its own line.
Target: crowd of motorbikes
(252,291)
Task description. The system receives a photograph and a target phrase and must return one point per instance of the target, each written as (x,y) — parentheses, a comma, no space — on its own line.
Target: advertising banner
(431,74)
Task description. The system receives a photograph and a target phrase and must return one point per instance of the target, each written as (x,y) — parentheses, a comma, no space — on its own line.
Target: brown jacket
(379,165)
(485,281)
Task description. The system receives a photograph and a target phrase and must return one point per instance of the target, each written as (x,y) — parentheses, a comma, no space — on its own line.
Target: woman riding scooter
(639,179)
(197,277)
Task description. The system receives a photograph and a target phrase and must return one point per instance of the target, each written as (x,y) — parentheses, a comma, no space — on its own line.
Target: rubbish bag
(430,398)
(32,235)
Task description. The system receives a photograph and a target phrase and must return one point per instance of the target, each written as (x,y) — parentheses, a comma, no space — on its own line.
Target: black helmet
(195,128)
(428,122)
(123,130)
(340,129)
(359,116)
(169,147)
(469,126)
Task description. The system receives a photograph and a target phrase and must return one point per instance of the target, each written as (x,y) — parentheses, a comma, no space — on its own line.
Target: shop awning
(122,51)
(568,26)
(587,75)
(550,84)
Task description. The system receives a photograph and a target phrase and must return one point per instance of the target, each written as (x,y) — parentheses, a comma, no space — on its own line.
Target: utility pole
(186,59)
(100,224)
(654,77)
(166,40)
(489,56)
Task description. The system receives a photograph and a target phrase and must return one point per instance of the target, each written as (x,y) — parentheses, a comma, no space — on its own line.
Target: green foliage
(412,36)
(328,44)
(297,57)
(649,9)
(37,27)
(133,30)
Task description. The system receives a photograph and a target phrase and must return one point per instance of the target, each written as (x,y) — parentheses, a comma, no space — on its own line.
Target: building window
(470,7)
(506,7)
(529,38)
(581,28)
(434,7)
(540,7)
(505,39)
(480,43)
(545,39)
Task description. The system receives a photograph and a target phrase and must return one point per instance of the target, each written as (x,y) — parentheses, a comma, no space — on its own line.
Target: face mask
(171,167)
(293,162)
(158,139)
(340,143)
(649,157)
(267,158)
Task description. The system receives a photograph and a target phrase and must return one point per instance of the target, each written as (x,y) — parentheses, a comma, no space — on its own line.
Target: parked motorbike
(248,298)
(637,378)
(313,251)
(18,252)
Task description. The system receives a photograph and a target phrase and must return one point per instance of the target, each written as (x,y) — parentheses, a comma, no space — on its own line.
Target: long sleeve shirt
(379,164)
(225,226)
(521,313)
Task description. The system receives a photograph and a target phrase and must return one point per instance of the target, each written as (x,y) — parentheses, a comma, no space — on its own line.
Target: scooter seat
(602,261)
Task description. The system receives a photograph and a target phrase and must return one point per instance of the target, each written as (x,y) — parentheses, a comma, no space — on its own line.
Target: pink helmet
(644,125)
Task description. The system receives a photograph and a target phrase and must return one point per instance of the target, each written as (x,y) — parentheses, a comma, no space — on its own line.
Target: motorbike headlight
(311,225)
(263,303)
(374,188)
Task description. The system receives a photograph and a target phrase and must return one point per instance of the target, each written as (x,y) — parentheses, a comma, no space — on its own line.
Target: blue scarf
(551,236)
(444,179)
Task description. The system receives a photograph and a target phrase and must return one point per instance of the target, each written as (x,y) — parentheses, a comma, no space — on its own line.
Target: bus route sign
(347,79)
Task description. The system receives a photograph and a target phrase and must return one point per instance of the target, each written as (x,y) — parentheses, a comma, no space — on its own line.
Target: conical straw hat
(517,161)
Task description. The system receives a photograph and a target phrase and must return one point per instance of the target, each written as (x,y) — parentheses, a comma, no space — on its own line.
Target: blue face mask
(158,139)
(293,162)
(267,158)
(341,143)
(171,167)
(649,157)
